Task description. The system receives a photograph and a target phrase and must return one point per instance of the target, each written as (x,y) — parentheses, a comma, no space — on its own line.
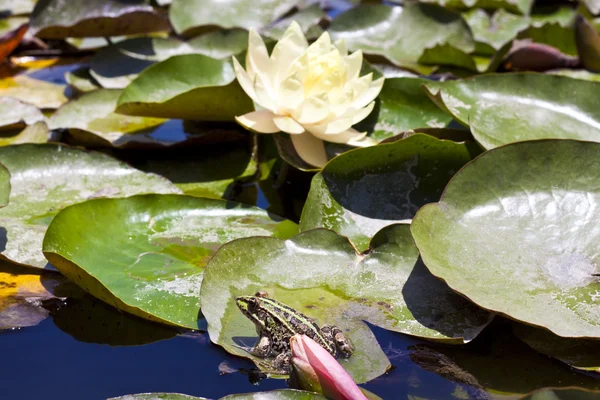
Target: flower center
(325,73)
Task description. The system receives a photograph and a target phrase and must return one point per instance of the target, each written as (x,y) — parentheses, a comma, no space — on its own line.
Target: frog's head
(344,347)
(252,308)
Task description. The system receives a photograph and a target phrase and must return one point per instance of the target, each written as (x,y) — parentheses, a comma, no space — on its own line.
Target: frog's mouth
(244,303)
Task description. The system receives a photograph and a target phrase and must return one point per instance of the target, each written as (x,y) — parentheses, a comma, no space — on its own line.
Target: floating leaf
(146,254)
(519,6)
(360,192)
(514,232)
(506,108)
(46,178)
(282,394)
(81,80)
(592,5)
(93,113)
(16,7)
(15,113)
(319,274)
(58,19)
(493,31)
(10,40)
(194,171)
(22,293)
(582,354)
(189,17)
(36,133)
(401,34)
(576,74)
(190,86)
(34,91)
(563,394)
(307,18)
(588,44)
(117,65)
(553,26)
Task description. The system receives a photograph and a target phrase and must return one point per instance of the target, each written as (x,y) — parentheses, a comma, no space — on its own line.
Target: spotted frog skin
(276,323)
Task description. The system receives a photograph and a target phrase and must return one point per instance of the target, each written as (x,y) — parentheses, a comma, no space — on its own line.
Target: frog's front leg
(263,347)
(282,363)
(341,344)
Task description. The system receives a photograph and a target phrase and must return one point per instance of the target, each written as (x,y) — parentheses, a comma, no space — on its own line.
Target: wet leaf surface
(175,88)
(360,192)
(33,91)
(521,244)
(505,108)
(284,394)
(401,34)
(14,113)
(147,254)
(319,274)
(57,19)
(46,178)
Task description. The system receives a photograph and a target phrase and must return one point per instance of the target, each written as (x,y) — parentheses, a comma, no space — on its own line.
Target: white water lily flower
(314,92)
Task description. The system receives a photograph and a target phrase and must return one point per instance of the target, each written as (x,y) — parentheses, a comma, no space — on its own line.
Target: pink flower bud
(314,369)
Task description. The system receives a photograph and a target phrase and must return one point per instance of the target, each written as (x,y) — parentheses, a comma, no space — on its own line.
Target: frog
(275,325)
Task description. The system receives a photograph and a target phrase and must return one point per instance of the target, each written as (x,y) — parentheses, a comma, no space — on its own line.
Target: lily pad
(401,34)
(192,86)
(10,40)
(36,133)
(360,192)
(576,74)
(15,113)
(563,394)
(116,66)
(592,5)
(146,254)
(58,19)
(40,93)
(319,273)
(283,394)
(582,354)
(81,80)
(16,7)
(308,19)
(505,108)
(514,232)
(189,17)
(48,177)
(403,105)
(553,26)
(93,113)
(519,6)
(493,31)
(22,293)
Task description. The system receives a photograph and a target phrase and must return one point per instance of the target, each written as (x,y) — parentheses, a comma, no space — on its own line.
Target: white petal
(288,125)
(352,91)
(263,95)
(369,95)
(291,46)
(341,46)
(364,141)
(312,110)
(258,121)
(354,62)
(361,114)
(334,127)
(310,149)
(320,47)
(243,78)
(258,58)
(290,93)
(349,136)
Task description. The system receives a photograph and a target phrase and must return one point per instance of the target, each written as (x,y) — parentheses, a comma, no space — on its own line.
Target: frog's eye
(261,293)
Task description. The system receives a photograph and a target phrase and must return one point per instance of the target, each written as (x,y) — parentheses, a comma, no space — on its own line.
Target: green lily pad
(582,354)
(319,273)
(308,19)
(283,394)
(404,105)
(46,178)
(563,394)
(92,120)
(81,80)
(191,86)
(116,66)
(15,113)
(16,7)
(36,133)
(401,34)
(493,31)
(58,19)
(145,255)
(193,169)
(189,17)
(506,108)
(360,192)
(553,26)
(576,74)
(515,232)
(518,6)
(33,91)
